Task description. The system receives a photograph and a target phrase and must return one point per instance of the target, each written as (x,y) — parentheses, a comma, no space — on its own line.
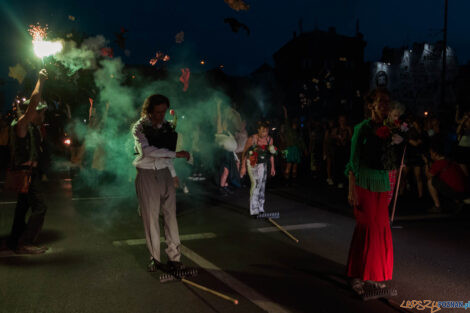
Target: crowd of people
(369,158)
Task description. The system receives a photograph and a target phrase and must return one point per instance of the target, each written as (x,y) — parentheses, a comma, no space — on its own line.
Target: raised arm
(23,121)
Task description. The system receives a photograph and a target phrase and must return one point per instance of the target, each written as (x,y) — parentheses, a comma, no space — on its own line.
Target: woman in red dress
(372,173)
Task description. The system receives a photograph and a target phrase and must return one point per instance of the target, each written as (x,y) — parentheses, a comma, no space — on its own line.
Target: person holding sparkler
(155,145)
(27,145)
(259,150)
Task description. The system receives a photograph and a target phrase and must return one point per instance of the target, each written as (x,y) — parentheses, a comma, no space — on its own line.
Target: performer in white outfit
(259,150)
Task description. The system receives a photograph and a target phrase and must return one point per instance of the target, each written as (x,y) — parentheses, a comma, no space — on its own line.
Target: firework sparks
(203,62)
(41,47)
(38,32)
(159,56)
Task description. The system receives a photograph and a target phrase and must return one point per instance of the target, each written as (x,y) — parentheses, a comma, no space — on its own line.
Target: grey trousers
(156,192)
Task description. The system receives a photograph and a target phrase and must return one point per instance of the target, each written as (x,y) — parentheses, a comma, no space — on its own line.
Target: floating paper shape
(184,78)
(238,5)
(17,72)
(179,38)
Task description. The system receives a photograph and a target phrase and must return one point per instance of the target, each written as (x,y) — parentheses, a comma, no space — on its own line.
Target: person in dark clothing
(414,152)
(27,146)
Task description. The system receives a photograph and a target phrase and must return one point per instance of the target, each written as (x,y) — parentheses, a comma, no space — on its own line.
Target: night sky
(153,25)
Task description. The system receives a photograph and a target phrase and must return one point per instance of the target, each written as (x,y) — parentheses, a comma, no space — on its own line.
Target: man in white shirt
(155,142)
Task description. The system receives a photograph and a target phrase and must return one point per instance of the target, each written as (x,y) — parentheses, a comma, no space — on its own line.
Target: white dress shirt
(150,157)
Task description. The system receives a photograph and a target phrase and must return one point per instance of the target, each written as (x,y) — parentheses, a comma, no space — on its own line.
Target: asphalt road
(97,258)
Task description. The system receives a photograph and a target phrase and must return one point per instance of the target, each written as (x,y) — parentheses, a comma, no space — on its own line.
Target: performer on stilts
(375,155)
(155,144)
(259,151)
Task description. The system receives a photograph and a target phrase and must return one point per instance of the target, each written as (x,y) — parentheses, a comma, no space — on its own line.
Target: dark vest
(25,149)
(164,137)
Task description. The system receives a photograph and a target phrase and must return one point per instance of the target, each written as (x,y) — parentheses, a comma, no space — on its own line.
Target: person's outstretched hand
(43,75)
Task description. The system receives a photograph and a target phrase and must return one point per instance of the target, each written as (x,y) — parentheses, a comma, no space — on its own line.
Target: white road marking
(292,227)
(98,198)
(422,217)
(244,290)
(137,242)
(9,253)
(78,199)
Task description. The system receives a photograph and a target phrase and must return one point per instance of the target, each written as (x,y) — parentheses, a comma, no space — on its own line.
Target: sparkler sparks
(41,47)
(38,32)
(159,56)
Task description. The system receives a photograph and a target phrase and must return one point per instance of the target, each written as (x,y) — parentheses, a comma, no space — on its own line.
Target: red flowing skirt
(371,250)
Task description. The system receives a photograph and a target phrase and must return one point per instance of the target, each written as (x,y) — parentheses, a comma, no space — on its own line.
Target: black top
(164,137)
(378,153)
(28,148)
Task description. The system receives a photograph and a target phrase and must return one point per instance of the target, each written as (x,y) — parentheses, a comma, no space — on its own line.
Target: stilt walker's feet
(154,266)
(357,286)
(174,266)
(30,249)
(376,284)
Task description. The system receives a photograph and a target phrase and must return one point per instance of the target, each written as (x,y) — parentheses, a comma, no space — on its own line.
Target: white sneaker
(185,189)
(340,186)
(330,181)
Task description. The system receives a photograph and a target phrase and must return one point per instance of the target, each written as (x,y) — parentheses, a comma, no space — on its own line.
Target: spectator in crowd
(294,144)
(462,156)
(4,151)
(315,137)
(341,137)
(396,111)
(414,152)
(226,157)
(445,178)
(329,151)
(195,150)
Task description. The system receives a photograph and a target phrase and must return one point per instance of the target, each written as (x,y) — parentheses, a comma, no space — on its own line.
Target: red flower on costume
(172,112)
(263,147)
(254,158)
(383,132)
